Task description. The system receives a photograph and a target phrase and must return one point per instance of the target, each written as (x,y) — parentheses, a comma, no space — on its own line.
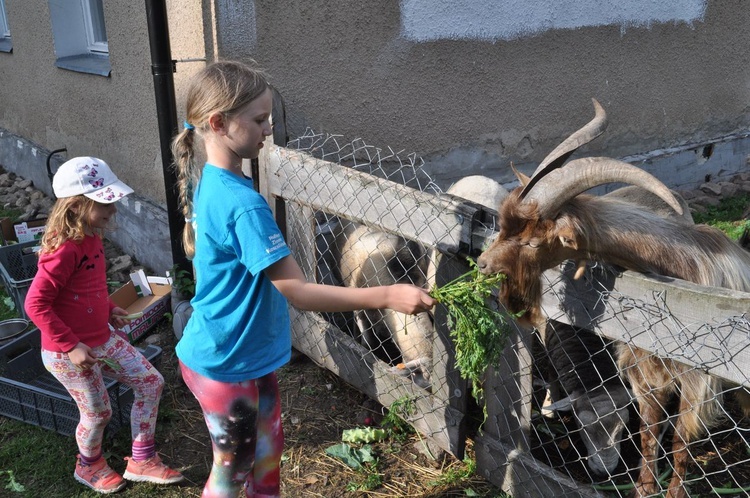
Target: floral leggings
(244,421)
(88,390)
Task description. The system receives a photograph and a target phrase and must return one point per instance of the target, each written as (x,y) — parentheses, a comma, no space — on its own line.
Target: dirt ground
(317,406)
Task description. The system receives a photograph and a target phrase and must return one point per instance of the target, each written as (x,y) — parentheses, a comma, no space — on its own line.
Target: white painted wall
(429,20)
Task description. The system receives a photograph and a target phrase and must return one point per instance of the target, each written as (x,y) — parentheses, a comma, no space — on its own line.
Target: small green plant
(455,474)
(12,485)
(369,478)
(727,216)
(7,305)
(183,282)
(12,213)
(479,331)
(395,420)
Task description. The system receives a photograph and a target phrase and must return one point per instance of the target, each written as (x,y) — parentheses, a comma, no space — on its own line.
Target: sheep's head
(539,227)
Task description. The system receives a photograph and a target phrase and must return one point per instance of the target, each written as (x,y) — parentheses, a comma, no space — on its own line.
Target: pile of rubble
(19,194)
(711,193)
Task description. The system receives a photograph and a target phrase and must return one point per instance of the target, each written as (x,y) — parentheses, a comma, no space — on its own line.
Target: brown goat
(548,220)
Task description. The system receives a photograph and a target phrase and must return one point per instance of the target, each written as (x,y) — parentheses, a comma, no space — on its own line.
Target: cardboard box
(26,231)
(153,305)
(21,231)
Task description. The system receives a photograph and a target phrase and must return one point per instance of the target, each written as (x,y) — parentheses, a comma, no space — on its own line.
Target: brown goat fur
(614,231)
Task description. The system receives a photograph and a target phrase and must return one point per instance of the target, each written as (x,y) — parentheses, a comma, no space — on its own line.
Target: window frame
(74,31)
(90,21)
(6,45)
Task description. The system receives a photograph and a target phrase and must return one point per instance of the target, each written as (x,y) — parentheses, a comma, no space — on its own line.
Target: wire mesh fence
(562,415)
(364,226)
(683,381)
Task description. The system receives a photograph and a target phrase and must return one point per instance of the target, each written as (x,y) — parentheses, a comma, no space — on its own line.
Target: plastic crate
(31,394)
(18,264)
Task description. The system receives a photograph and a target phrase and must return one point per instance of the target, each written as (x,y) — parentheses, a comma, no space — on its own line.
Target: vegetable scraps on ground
(479,330)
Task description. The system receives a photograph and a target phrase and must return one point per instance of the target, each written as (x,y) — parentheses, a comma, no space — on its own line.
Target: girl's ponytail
(187,178)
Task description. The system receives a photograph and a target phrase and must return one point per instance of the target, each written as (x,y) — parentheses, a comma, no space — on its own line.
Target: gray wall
(43,108)
(469,85)
(110,117)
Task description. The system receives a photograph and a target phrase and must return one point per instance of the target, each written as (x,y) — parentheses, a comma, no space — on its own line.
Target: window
(5,43)
(93,17)
(80,36)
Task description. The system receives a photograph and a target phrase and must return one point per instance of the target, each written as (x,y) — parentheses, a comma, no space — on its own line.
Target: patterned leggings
(88,390)
(244,421)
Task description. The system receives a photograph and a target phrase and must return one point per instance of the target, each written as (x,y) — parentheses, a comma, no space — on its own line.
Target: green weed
(395,421)
(369,478)
(183,282)
(727,216)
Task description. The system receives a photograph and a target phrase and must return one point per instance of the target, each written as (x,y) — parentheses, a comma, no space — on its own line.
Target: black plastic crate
(18,264)
(29,393)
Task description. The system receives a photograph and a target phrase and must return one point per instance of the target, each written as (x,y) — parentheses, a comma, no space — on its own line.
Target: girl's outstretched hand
(410,299)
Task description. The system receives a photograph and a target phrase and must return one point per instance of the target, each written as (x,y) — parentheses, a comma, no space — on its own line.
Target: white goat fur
(369,257)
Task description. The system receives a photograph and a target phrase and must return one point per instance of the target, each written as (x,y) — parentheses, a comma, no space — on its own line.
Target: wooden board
(436,221)
(706,327)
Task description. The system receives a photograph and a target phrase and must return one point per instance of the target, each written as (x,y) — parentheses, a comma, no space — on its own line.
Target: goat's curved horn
(562,152)
(559,186)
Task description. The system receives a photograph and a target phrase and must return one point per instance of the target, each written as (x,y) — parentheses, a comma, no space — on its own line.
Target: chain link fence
(560,417)
(665,326)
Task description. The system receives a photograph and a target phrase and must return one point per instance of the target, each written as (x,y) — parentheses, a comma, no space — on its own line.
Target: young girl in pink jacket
(69,301)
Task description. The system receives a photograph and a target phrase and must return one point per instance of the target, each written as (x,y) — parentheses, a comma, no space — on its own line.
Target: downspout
(162,67)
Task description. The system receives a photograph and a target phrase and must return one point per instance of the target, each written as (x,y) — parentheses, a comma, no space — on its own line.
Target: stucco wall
(43,108)
(471,85)
(110,117)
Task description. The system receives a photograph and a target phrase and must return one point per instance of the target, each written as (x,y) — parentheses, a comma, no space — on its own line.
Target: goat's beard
(523,301)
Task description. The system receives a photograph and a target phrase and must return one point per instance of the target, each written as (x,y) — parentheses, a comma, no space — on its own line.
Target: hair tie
(188,126)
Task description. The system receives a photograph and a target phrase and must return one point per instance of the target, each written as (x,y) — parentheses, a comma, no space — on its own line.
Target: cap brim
(111,193)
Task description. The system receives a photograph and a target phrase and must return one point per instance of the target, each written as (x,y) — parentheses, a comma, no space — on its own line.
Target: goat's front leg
(652,421)
(680,452)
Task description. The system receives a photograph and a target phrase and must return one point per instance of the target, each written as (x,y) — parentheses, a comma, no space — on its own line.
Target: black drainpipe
(162,67)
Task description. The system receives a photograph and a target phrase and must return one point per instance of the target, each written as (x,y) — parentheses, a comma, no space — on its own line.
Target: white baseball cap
(91,177)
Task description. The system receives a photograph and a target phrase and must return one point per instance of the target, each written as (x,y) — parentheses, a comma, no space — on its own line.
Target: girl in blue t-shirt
(239,332)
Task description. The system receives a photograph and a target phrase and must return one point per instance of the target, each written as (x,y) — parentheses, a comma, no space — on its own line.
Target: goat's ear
(523,179)
(567,237)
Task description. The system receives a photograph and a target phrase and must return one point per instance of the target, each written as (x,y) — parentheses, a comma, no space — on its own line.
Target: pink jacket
(68,299)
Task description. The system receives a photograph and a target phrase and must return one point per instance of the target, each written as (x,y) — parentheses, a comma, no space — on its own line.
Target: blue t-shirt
(239,329)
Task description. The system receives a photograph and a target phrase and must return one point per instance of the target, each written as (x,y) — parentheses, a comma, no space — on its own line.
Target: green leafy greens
(479,330)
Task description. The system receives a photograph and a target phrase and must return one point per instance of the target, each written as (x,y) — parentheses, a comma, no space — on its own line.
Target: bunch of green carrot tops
(478,329)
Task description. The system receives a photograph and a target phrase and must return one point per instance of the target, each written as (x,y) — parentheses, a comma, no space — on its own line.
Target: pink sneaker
(98,476)
(151,470)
